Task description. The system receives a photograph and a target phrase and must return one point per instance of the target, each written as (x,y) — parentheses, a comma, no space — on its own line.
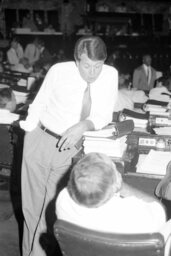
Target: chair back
(6,147)
(78,241)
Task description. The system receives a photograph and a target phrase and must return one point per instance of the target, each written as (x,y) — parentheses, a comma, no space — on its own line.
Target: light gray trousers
(42,168)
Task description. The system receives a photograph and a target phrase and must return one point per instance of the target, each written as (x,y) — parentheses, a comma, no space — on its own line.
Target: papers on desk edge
(155,163)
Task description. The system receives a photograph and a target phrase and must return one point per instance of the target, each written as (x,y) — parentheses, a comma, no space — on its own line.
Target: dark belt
(57,136)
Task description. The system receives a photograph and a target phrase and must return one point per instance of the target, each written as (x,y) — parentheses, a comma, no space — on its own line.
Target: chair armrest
(166,230)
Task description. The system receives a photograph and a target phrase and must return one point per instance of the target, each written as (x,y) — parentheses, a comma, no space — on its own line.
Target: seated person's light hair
(7,99)
(93,180)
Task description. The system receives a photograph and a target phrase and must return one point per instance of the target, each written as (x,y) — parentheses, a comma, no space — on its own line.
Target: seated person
(127,97)
(23,66)
(7,106)
(15,57)
(32,51)
(97,198)
(15,52)
(45,59)
(161,92)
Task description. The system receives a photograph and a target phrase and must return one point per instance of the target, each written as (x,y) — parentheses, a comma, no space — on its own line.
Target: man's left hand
(72,135)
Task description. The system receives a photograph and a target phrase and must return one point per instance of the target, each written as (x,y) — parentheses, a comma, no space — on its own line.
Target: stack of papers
(141,123)
(103,141)
(154,163)
(163,130)
(157,110)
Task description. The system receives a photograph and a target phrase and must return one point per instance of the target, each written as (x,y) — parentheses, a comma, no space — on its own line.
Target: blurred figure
(7,99)
(45,58)
(127,96)
(66,19)
(28,22)
(32,51)
(145,75)
(1,61)
(113,59)
(39,22)
(15,52)
(162,90)
(60,57)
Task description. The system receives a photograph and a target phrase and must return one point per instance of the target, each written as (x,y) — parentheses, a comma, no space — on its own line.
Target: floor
(11,221)
(9,233)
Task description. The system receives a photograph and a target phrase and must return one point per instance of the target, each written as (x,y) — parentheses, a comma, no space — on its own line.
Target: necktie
(86,104)
(148,75)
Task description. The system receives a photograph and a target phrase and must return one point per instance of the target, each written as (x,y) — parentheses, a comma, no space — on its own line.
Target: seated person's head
(93,181)
(14,43)
(7,99)
(163,81)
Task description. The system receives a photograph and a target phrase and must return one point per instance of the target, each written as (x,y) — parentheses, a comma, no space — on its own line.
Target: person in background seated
(97,198)
(16,59)
(1,61)
(15,52)
(144,76)
(60,57)
(162,90)
(45,58)
(23,66)
(7,106)
(127,96)
(28,22)
(32,51)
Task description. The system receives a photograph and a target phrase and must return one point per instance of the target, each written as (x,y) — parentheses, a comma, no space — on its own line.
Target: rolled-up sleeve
(39,103)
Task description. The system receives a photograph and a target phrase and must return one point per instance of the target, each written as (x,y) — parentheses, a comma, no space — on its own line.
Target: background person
(15,52)
(145,75)
(32,51)
(75,97)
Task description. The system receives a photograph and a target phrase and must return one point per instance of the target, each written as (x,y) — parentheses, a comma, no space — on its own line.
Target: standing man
(145,75)
(75,97)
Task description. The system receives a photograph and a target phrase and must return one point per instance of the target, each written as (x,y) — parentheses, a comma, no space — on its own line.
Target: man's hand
(72,135)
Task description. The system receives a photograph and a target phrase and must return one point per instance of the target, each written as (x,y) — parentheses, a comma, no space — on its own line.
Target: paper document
(154,163)
(101,133)
(163,130)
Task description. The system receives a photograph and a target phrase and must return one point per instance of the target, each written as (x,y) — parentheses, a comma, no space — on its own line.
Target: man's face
(89,69)
(147,60)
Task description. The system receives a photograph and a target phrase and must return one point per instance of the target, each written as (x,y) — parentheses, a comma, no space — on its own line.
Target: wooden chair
(78,241)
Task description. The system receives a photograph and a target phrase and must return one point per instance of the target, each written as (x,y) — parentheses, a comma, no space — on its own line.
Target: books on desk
(157,110)
(140,119)
(103,141)
(154,163)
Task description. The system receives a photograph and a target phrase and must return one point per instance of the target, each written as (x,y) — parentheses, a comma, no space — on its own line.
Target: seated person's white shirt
(138,96)
(6,117)
(156,94)
(123,101)
(120,215)
(127,98)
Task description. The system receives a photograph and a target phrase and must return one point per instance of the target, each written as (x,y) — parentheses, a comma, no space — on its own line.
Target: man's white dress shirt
(58,103)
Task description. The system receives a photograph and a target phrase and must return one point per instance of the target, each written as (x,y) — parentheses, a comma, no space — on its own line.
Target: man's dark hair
(93,46)
(5,96)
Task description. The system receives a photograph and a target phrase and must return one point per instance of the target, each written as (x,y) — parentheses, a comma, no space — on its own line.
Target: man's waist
(58,136)
(45,129)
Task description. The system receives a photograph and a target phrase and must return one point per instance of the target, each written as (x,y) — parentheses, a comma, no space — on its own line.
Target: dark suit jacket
(140,79)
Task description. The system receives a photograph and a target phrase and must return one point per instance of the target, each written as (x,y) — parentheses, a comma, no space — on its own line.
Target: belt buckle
(43,128)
